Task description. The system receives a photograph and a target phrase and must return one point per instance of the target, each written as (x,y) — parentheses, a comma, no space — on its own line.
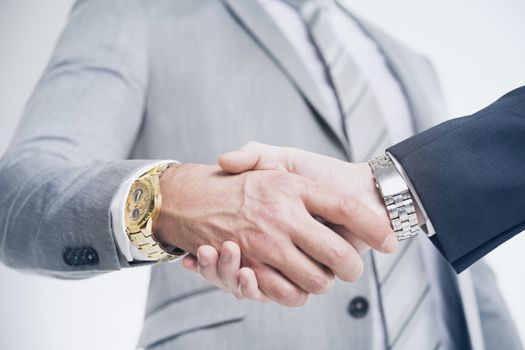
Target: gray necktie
(407,310)
(361,117)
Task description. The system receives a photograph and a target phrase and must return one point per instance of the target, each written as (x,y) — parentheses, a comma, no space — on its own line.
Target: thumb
(253,156)
(239,161)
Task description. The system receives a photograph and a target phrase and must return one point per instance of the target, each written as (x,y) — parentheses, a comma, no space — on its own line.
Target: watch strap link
(402,214)
(150,247)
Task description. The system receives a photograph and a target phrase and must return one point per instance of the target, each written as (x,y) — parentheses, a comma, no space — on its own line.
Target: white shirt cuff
(117,212)
(427,225)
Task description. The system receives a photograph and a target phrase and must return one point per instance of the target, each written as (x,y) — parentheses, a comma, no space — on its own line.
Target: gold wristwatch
(142,209)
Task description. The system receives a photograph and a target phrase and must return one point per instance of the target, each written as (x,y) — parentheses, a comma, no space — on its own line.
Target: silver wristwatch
(395,193)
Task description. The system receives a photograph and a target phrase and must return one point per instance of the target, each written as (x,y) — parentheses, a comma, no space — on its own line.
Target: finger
(207,258)
(360,246)
(228,267)
(350,212)
(330,249)
(249,287)
(279,289)
(299,268)
(189,262)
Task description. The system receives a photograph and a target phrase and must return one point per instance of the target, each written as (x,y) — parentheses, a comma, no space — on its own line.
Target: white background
(477,46)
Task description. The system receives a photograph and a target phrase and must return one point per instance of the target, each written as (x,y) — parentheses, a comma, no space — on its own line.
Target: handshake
(274,223)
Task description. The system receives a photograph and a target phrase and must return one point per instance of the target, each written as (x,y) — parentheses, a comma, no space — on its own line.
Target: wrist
(163,228)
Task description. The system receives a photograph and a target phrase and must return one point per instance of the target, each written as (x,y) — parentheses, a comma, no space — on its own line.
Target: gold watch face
(140,204)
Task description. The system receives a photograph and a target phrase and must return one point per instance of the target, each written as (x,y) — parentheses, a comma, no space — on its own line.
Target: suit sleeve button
(68,256)
(80,256)
(90,257)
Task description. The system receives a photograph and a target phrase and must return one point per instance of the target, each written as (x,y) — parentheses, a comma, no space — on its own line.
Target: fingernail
(389,244)
(226,256)
(203,262)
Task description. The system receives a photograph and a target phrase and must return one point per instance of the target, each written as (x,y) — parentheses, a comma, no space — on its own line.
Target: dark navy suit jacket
(470,176)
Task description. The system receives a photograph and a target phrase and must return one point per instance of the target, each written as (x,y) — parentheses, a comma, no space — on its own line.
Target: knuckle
(289,296)
(319,284)
(251,145)
(283,294)
(264,245)
(348,205)
(268,247)
(257,239)
(261,239)
(338,254)
(277,254)
(294,152)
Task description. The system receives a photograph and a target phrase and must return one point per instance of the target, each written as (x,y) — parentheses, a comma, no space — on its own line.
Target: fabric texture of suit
(469,174)
(188,80)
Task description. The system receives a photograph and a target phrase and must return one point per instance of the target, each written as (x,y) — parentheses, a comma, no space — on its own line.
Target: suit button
(69,256)
(358,307)
(89,257)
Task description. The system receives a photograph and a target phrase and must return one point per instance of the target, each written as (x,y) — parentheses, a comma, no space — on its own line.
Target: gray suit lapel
(266,33)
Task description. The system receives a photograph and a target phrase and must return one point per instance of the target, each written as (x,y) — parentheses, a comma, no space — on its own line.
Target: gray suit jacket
(190,79)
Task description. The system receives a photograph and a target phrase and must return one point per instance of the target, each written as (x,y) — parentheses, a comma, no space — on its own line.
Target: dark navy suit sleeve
(470,176)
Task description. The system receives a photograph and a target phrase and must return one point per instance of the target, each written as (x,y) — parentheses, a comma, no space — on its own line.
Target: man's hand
(269,214)
(353,179)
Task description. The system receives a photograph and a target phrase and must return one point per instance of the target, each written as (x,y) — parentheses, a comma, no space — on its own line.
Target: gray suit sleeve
(67,158)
